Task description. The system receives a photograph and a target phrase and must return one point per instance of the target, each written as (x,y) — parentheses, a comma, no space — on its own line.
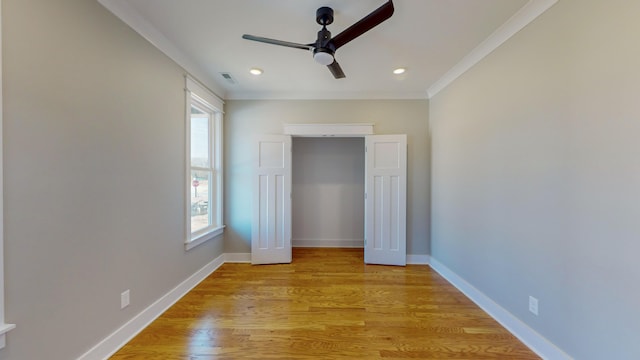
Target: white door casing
(271,225)
(385,199)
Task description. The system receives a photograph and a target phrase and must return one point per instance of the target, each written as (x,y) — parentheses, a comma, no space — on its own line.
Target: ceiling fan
(325,46)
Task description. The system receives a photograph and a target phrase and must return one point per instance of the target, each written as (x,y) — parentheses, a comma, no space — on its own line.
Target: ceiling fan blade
(336,70)
(278,42)
(365,24)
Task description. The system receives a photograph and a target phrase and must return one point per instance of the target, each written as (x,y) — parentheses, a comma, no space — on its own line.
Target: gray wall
(246,118)
(328,192)
(536,176)
(93,164)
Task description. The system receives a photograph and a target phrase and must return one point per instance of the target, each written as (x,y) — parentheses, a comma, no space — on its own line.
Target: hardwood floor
(325,305)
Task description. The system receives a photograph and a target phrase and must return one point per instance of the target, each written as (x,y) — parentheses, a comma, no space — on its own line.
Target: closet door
(271,227)
(385,200)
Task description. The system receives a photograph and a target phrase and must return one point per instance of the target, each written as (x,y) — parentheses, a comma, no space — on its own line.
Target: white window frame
(202,98)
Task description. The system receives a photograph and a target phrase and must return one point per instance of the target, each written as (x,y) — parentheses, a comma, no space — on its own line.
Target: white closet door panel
(385,203)
(271,227)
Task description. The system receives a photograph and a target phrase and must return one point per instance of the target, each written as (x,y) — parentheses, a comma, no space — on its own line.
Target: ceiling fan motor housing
(324,49)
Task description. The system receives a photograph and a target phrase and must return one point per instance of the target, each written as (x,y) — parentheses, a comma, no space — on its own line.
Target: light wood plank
(325,305)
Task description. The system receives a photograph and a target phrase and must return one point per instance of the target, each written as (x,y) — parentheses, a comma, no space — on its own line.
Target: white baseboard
(237,257)
(246,258)
(418,259)
(536,342)
(320,243)
(120,337)
(126,332)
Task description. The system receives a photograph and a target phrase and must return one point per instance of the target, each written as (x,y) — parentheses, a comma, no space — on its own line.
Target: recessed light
(256,71)
(399,71)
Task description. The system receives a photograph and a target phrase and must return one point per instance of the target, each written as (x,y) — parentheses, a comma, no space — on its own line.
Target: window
(204,170)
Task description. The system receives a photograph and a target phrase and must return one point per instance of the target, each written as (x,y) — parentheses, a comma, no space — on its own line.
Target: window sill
(4,329)
(201,239)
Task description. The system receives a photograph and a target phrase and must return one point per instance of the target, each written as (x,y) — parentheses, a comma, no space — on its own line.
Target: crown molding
(328,95)
(517,22)
(130,16)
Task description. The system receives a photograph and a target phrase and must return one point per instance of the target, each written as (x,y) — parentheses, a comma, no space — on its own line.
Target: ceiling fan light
(323,57)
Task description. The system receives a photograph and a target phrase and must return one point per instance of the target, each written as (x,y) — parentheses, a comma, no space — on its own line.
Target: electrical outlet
(533,305)
(124,299)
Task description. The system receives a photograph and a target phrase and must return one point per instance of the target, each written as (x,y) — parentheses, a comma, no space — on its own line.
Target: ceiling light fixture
(256,71)
(323,56)
(399,71)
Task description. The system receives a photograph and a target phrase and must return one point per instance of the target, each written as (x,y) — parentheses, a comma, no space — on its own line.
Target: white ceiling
(436,40)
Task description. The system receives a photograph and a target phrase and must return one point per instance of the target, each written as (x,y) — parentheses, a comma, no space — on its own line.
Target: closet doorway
(328,192)
(384,215)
